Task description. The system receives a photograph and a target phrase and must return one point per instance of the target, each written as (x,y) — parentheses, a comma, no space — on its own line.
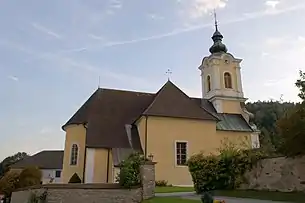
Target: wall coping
(149,163)
(77,186)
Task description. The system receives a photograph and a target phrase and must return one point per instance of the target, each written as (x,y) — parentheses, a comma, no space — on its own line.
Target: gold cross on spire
(168,73)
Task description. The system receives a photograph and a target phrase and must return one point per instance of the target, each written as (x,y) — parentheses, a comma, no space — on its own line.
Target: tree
(13,180)
(292,131)
(9,183)
(4,165)
(266,114)
(29,176)
(292,126)
(300,83)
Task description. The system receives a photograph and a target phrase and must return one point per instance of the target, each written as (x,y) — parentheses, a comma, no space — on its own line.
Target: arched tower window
(74,154)
(209,83)
(228,80)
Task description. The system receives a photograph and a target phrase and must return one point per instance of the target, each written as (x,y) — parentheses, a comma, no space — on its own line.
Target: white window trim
(224,82)
(77,159)
(187,153)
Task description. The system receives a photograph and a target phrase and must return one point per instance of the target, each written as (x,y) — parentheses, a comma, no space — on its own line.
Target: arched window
(209,83)
(228,80)
(74,154)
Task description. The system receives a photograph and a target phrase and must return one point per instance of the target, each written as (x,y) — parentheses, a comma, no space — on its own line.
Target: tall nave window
(181,153)
(74,154)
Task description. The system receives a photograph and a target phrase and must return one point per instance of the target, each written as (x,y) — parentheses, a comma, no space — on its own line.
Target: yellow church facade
(168,126)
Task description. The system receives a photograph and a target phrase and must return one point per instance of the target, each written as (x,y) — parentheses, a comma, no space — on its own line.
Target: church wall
(231,106)
(242,140)
(102,161)
(141,125)
(75,134)
(97,161)
(164,132)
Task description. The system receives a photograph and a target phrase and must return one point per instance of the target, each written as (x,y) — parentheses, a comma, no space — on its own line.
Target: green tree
(292,126)
(300,83)
(292,131)
(266,115)
(29,176)
(4,165)
(9,183)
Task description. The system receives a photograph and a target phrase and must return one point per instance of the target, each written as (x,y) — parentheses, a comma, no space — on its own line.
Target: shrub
(161,183)
(29,176)
(9,182)
(75,179)
(129,174)
(223,171)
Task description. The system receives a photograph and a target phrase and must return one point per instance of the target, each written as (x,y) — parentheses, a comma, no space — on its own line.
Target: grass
(297,197)
(171,189)
(170,200)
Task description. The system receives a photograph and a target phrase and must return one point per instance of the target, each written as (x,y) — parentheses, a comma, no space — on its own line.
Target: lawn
(170,189)
(170,200)
(296,197)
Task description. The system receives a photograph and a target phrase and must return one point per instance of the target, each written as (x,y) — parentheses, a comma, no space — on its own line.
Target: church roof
(172,102)
(109,115)
(52,159)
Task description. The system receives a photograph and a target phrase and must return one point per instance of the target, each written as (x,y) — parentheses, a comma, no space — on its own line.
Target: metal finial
(168,72)
(99,81)
(215,19)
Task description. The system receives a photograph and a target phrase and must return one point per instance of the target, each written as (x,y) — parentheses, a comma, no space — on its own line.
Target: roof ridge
(122,90)
(155,98)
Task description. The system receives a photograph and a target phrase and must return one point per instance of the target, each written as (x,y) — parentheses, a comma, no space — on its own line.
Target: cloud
(155,16)
(46,30)
(96,37)
(272,3)
(200,8)
(11,77)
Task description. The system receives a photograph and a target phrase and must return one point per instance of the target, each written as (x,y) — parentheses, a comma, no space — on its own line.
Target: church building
(167,126)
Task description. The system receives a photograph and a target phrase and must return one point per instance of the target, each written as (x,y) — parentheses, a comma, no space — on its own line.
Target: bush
(29,176)
(75,179)
(9,182)
(224,171)
(129,174)
(161,183)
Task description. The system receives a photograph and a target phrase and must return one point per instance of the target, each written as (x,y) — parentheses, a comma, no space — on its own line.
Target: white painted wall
(48,174)
(89,169)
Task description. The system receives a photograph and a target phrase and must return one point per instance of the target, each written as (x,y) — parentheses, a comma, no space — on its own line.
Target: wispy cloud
(245,17)
(92,36)
(14,78)
(46,30)
(272,3)
(200,8)
(154,16)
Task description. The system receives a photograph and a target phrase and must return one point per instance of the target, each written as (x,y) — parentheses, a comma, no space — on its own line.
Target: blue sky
(53,53)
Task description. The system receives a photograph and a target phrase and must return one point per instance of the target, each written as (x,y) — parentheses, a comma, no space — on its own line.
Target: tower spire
(215,19)
(218,46)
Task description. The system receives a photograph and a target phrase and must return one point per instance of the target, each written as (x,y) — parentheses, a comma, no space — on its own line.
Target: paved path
(192,195)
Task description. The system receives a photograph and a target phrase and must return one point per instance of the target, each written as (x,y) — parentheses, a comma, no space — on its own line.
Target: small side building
(49,162)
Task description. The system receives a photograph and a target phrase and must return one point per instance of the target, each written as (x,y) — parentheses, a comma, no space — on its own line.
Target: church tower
(221,78)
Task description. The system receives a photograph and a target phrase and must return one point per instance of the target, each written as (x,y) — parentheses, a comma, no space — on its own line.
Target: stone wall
(277,174)
(80,193)
(92,193)
(148,180)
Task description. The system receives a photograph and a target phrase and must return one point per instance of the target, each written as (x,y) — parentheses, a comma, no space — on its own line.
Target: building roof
(109,115)
(44,160)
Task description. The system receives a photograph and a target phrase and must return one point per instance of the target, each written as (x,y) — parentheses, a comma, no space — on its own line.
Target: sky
(54,55)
